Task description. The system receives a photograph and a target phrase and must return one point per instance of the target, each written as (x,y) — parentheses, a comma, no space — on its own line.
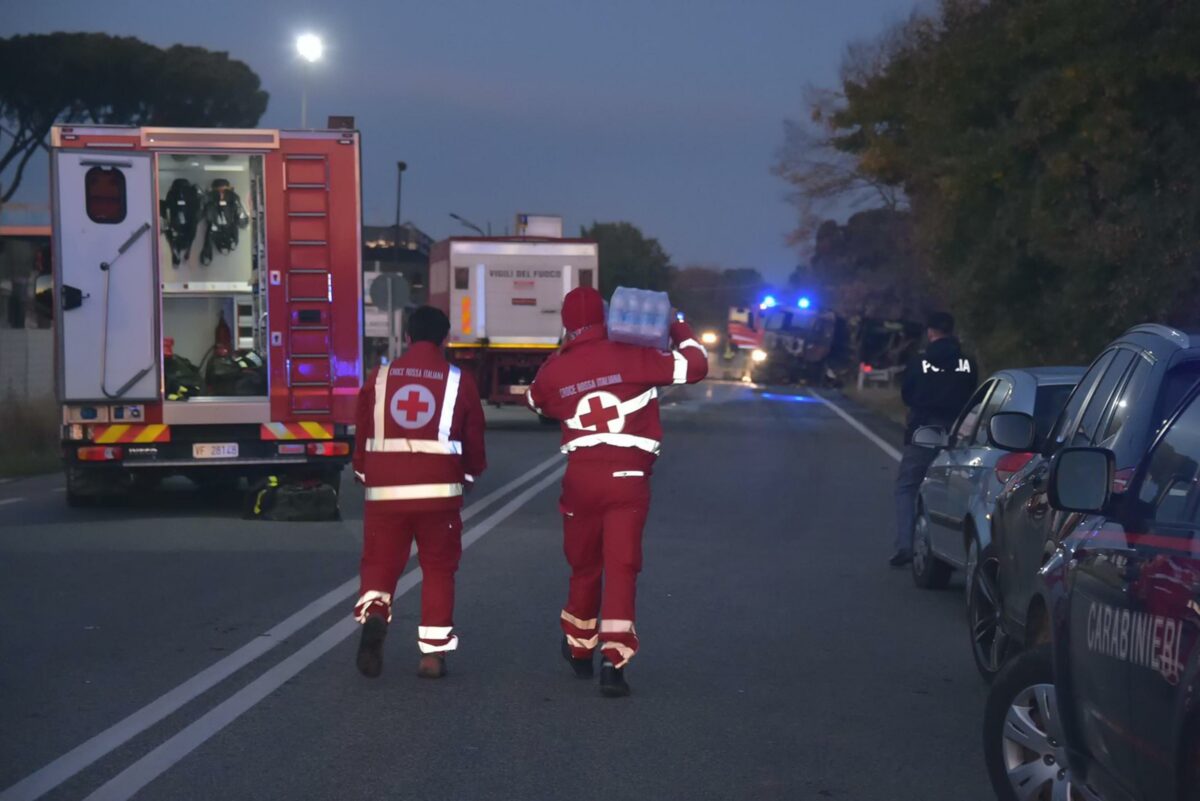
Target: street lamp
(311,49)
(401,166)
(468,224)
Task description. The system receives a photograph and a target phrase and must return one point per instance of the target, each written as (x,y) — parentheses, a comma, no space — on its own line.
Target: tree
(628,258)
(1047,152)
(705,294)
(824,178)
(97,78)
(867,266)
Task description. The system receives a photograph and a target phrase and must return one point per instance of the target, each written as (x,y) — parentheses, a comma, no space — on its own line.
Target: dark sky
(665,113)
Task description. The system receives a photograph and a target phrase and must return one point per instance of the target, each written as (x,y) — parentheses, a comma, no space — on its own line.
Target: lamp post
(468,224)
(401,166)
(311,49)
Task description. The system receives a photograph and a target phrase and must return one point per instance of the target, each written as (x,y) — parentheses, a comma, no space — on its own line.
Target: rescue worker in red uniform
(419,443)
(604,394)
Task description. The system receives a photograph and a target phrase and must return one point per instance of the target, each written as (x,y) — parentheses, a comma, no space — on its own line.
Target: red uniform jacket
(605,395)
(420,432)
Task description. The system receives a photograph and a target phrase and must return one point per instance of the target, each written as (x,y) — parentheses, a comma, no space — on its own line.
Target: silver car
(953,529)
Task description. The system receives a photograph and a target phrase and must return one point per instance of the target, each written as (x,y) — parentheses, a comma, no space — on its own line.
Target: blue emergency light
(767,303)
(804,302)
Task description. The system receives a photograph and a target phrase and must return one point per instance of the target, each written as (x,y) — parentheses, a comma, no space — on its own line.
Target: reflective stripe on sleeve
(628,473)
(400,445)
(529,400)
(449,401)
(681,367)
(618,440)
(411,492)
(691,343)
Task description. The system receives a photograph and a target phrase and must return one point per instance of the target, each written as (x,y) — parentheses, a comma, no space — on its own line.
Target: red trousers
(388,535)
(604,507)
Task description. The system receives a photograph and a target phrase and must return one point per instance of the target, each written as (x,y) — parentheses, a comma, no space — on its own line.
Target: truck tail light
(1009,464)
(328,448)
(100,453)
(291,448)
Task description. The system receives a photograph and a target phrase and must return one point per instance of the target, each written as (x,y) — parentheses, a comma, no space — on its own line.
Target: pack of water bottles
(640,317)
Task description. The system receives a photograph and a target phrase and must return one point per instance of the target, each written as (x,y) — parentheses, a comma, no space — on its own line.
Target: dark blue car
(1109,708)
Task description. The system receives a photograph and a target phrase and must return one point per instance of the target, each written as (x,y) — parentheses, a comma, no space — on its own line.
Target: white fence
(26,363)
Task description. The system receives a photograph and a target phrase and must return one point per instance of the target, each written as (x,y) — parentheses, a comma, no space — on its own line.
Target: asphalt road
(171,650)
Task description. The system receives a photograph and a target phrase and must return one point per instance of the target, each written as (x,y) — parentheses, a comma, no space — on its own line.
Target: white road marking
(7,501)
(884,446)
(129,781)
(55,773)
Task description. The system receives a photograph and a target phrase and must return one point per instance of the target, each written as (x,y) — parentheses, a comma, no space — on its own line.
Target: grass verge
(30,444)
(884,401)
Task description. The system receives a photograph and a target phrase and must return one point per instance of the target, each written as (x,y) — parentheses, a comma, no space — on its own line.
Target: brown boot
(432,666)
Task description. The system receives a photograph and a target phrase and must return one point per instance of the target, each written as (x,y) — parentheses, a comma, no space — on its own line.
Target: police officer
(605,395)
(938,382)
(419,443)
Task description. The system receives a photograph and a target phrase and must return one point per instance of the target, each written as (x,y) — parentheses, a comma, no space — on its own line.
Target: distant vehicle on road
(503,296)
(954,508)
(1107,707)
(1120,404)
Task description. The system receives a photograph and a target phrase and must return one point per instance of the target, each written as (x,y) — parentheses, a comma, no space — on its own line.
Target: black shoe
(612,681)
(370,646)
(902,558)
(584,669)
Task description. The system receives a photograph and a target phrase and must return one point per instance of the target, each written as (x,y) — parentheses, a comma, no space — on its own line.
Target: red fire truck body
(209,315)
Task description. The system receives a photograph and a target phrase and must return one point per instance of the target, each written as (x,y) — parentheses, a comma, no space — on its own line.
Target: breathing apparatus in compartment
(224,216)
(180,211)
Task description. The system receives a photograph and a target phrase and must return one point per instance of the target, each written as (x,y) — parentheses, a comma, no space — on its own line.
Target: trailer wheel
(77,481)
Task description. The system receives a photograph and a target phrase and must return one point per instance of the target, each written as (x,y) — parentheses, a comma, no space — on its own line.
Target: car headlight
(708,338)
(758,355)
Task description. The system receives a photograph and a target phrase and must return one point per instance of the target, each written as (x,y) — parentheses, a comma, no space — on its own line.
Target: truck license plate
(222,450)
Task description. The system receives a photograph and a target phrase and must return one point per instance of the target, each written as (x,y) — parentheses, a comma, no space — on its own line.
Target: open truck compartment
(210,300)
(504,297)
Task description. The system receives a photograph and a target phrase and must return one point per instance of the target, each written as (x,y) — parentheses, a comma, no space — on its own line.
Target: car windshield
(1047,404)
(1177,383)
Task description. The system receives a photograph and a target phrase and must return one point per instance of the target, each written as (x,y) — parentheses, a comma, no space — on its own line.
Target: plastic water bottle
(640,317)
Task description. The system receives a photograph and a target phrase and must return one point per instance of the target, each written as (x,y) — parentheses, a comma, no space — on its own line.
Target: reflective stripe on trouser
(603,518)
(388,537)
(435,639)
(581,634)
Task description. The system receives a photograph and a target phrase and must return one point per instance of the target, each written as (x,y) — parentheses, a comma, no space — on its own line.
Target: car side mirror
(1012,431)
(1081,479)
(930,437)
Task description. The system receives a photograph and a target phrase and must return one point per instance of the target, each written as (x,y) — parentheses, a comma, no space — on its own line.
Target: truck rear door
(524,299)
(105,274)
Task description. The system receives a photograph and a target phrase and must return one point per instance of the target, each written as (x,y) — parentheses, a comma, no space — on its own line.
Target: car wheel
(1023,743)
(989,643)
(928,571)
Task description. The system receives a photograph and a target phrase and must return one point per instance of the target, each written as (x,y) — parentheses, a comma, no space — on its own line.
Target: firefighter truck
(504,296)
(209,303)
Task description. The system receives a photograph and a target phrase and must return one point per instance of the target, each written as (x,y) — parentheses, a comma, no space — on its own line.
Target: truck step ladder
(309,285)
